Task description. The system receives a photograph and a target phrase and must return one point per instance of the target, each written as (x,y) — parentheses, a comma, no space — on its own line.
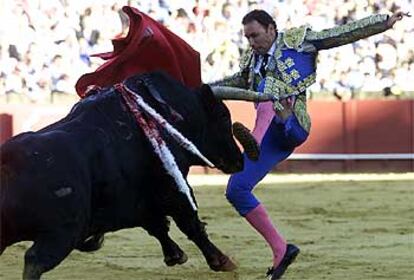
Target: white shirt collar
(271,51)
(259,61)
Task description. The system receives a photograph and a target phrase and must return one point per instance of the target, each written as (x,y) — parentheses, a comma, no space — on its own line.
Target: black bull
(94,171)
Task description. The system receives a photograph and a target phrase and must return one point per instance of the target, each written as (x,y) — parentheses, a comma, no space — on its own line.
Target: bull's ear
(207,95)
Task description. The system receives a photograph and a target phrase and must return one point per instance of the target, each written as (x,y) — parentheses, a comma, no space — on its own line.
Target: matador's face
(260,38)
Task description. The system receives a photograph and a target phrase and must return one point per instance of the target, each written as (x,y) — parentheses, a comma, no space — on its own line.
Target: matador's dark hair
(260,16)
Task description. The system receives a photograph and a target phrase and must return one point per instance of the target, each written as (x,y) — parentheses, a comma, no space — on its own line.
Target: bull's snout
(238,166)
(235,166)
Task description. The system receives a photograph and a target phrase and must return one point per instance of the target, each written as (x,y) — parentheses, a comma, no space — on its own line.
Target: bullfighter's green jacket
(292,67)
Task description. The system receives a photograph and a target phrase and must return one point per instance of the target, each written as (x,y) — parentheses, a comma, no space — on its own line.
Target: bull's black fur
(94,171)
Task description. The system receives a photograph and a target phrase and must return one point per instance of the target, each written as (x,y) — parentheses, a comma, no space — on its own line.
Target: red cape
(149,46)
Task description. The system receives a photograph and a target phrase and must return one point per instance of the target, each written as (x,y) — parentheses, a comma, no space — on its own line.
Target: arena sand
(346,230)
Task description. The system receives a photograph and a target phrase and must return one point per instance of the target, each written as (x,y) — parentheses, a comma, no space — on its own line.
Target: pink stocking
(265,114)
(260,220)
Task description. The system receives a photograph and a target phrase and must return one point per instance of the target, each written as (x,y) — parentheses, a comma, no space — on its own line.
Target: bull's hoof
(223,263)
(176,259)
(246,139)
(91,244)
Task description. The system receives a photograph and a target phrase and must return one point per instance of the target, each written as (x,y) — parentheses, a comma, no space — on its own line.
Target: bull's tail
(2,228)
(2,231)
(3,236)
(6,155)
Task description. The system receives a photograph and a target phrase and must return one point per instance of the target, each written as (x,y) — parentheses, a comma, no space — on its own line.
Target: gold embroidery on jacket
(347,28)
(295,74)
(294,37)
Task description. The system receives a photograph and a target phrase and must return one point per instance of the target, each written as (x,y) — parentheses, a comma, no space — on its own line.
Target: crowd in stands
(45,46)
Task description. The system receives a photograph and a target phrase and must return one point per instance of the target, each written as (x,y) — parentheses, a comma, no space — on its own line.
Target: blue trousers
(278,143)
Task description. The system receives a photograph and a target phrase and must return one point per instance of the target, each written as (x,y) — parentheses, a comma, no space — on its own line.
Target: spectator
(75,30)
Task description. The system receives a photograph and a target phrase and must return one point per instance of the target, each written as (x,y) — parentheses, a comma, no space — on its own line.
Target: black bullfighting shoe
(291,253)
(246,139)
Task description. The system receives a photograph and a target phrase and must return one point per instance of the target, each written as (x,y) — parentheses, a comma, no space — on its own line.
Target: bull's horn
(233,93)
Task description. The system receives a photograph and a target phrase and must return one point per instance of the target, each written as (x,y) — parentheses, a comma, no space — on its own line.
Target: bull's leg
(159,227)
(47,251)
(189,223)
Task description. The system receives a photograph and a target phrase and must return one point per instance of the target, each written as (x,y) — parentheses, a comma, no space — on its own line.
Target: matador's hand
(287,110)
(396,17)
